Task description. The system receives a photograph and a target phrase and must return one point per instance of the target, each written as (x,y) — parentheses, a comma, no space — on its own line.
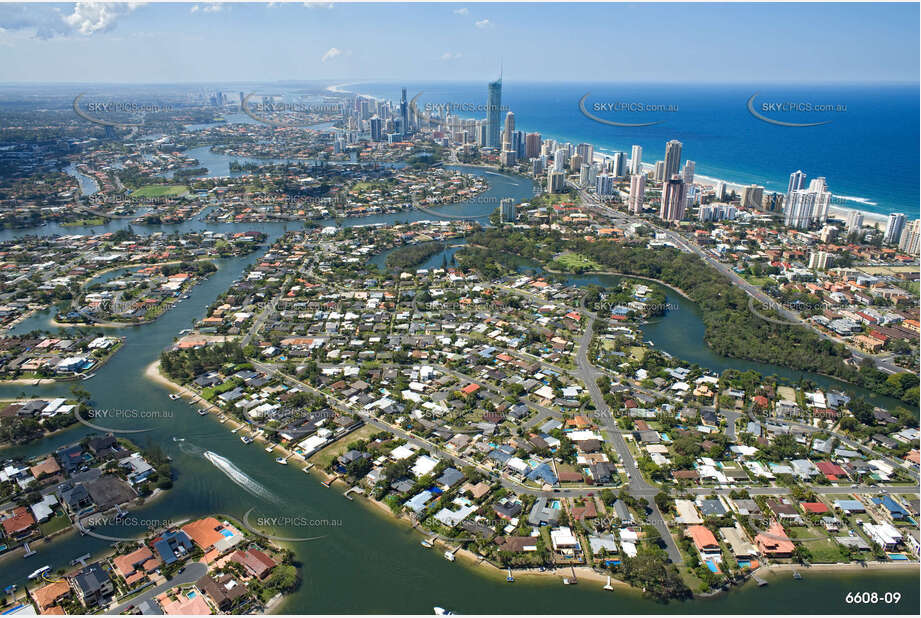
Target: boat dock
(356,489)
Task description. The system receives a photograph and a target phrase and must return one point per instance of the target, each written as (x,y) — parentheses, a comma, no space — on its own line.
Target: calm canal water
(367,551)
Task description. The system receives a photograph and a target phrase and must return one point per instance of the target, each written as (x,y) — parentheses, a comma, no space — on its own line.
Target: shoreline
(467,558)
(464,556)
(874,217)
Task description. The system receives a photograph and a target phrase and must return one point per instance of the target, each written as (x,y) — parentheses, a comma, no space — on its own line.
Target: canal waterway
(363,563)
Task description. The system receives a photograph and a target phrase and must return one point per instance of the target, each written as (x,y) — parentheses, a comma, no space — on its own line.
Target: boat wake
(239,477)
(859,200)
(187,448)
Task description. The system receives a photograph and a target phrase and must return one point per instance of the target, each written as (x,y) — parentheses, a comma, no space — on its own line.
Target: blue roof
(544,472)
(168,544)
(849,505)
(891,505)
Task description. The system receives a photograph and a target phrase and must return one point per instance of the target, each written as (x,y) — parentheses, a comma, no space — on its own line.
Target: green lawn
(82,222)
(576,261)
(160,191)
(325,456)
(56,523)
(824,551)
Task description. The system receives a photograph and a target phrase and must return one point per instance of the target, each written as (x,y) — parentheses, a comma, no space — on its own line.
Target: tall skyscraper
(404,113)
(674,199)
(797,181)
(637,193)
(556,181)
(719,191)
(752,195)
(659,175)
(532,145)
(376,128)
(819,259)
(587,152)
(911,235)
(688,174)
(587,175)
(604,184)
(508,212)
(493,105)
(894,228)
(560,158)
(799,208)
(672,158)
(772,202)
(636,159)
(619,165)
(575,164)
(508,131)
(854,221)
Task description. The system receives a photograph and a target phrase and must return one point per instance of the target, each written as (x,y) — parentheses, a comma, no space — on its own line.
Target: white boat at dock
(175,396)
(39,572)
(246,440)
(426,543)
(281,460)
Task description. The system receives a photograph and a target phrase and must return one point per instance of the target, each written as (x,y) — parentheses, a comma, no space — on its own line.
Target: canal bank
(217,473)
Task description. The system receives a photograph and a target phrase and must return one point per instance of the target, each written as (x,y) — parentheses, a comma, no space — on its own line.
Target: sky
(212,42)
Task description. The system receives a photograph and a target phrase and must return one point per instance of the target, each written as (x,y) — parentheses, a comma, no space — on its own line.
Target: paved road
(636,484)
(591,201)
(193,572)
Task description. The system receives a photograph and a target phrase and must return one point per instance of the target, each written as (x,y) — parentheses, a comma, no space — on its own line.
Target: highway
(883,363)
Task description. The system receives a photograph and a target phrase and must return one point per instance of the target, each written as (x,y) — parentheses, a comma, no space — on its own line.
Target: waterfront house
(172,546)
(223,591)
(136,566)
(705,542)
(92,584)
(50,596)
(774,542)
(256,562)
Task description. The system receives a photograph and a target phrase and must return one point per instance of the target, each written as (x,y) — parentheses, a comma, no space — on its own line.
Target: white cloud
(333,52)
(214,7)
(91,17)
(483,24)
(463,11)
(451,56)
(318,5)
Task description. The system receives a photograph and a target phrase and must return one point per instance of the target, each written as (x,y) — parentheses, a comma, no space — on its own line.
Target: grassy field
(325,456)
(56,523)
(160,191)
(576,261)
(637,353)
(759,281)
(81,222)
(365,185)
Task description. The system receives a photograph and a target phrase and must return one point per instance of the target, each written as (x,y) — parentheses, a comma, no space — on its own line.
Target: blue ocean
(867,149)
